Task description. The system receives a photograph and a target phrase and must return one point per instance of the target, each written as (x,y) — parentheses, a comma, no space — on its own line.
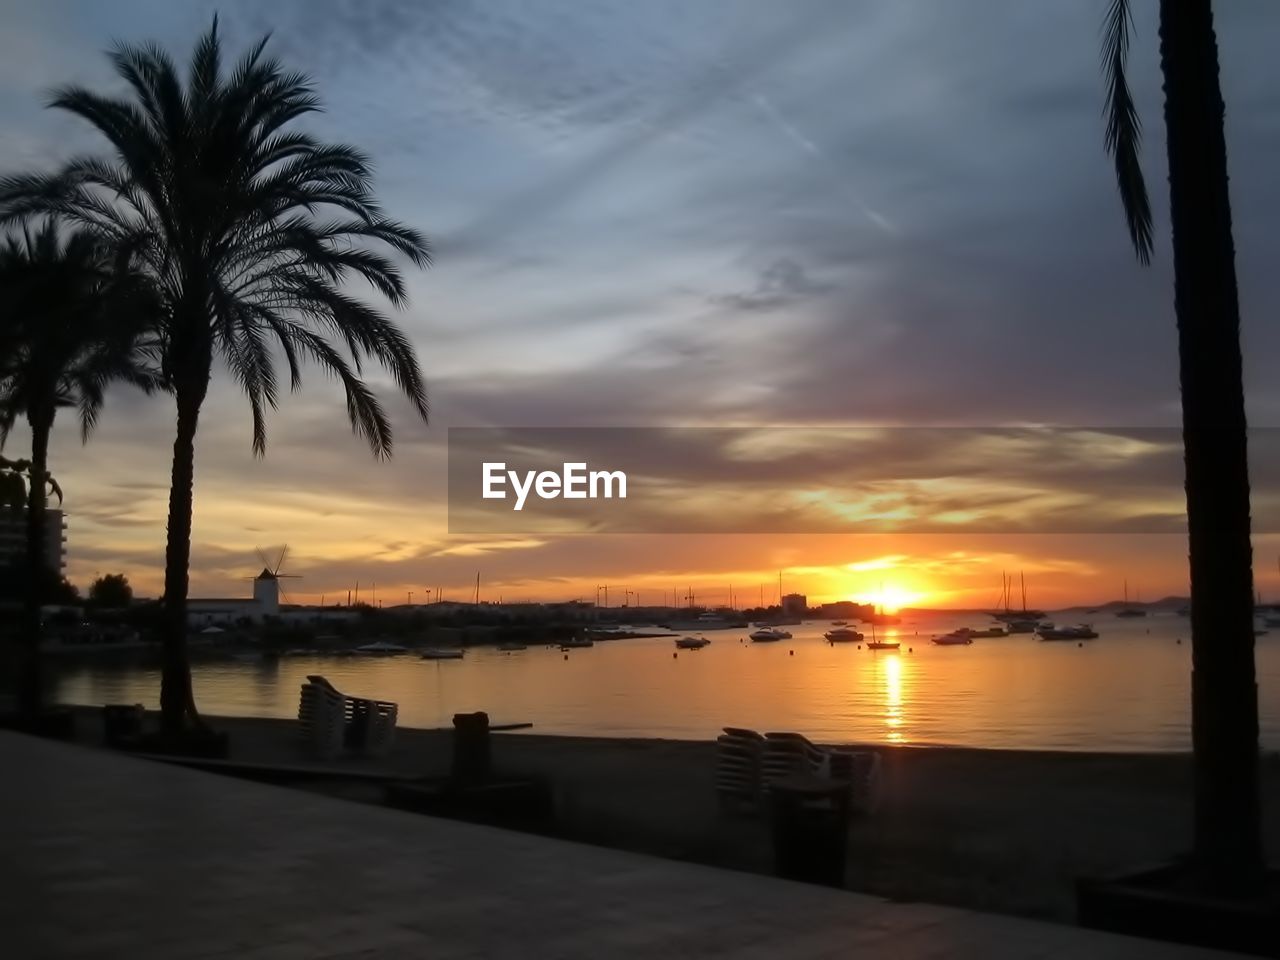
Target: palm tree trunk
(1224,697)
(177,704)
(30,690)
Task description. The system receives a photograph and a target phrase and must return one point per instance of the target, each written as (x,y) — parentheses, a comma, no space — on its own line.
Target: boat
(843,635)
(442,653)
(1271,621)
(954,639)
(1009,615)
(769,634)
(692,643)
(883,645)
(706,621)
(839,623)
(381,648)
(577,643)
(987,632)
(1022,626)
(1127,611)
(1081,631)
(1185,611)
(511,646)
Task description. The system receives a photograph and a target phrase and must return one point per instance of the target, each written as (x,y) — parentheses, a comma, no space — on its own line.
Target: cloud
(663,214)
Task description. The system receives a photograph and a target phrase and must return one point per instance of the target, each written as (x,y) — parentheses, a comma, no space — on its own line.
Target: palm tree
(222,201)
(1224,700)
(73,319)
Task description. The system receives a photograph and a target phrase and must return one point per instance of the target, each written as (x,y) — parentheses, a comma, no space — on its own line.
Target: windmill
(267,591)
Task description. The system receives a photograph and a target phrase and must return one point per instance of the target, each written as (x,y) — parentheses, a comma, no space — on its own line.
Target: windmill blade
(266,564)
(284,552)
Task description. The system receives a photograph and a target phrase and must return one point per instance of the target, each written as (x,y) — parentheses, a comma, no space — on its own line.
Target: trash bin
(810,829)
(471,760)
(122,723)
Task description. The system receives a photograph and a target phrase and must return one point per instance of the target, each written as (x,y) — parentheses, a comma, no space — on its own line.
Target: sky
(677,214)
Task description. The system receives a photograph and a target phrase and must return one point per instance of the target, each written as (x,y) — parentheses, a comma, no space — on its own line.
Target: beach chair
(322,717)
(786,754)
(737,779)
(370,725)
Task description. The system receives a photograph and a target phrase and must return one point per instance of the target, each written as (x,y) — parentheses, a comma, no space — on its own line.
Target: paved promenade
(107,856)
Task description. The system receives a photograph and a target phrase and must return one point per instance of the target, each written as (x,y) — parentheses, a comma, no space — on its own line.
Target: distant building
(13,539)
(210,612)
(795,604)
(844,609)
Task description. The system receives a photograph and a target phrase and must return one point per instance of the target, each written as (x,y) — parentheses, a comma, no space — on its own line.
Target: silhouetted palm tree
(1224,699)
(74,317)
(223,202)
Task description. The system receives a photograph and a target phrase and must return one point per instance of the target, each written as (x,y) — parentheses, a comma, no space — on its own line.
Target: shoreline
(1007,831)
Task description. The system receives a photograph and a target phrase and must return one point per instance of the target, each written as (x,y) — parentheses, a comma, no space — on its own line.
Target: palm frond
(1124,129)
(244,231)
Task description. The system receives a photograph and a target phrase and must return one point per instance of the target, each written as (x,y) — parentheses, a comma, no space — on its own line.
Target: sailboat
(1023,617)
(1128,611)
(874,644)
(781,620)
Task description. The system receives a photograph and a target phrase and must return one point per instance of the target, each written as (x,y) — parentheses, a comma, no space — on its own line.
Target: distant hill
(1162,602)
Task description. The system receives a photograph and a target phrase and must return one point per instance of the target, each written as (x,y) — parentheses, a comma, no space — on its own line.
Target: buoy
(566,656)
(859,646)
(1179,641)
(674,656)
(1081,644)
(791,652)
(911,649)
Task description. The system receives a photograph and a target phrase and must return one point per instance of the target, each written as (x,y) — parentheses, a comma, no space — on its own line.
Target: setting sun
(890,597)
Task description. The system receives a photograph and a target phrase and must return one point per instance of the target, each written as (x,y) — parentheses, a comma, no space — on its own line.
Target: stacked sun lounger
(738,779)
(786,754)
(331,722)
(370,725)
(322,716)
(747,764)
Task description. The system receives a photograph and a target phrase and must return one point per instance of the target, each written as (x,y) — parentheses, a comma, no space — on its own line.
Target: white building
(208,612)
(13,539)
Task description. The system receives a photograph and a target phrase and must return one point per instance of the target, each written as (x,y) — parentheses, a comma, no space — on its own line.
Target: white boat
(961,637)
(692,643)
(769,635)
(839,623)
(1081,631)
(843,635)
(381,648)
(577,643)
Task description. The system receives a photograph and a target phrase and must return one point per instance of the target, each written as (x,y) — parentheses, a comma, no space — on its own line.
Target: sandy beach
(998,830)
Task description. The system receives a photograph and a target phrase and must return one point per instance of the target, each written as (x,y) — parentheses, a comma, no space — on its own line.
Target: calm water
(1126,691)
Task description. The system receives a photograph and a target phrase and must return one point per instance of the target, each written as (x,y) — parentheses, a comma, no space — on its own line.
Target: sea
(1126,691)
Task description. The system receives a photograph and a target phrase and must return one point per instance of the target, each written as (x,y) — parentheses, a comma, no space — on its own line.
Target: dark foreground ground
(998,830)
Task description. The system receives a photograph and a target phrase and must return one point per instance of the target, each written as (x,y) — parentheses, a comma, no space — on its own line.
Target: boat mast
(1023,577)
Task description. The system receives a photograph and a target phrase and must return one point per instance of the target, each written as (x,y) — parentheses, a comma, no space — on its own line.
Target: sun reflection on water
(893,698)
